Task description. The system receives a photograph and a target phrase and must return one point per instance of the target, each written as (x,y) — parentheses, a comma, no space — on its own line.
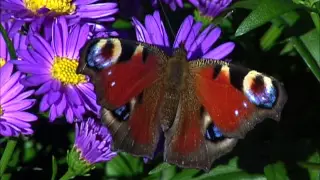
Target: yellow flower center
(57,6)
(2,62)
(1,111)
(64,70)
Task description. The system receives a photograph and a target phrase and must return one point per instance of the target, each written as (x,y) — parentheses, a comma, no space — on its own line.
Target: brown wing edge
(213,152)
(93,74)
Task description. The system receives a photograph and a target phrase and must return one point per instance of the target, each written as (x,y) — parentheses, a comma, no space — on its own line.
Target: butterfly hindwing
(186,144)
(237,98)
(126,77)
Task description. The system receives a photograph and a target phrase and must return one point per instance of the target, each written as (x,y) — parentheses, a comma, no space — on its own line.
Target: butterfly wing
(237,98)
(186,144)
(127,81)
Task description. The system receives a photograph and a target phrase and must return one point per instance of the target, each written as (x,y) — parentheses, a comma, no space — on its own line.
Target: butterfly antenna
(167,19)
(85,65)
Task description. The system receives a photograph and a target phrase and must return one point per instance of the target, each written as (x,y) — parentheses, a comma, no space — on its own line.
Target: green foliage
(275,171)
(54,168)
(124,165)
(265,12)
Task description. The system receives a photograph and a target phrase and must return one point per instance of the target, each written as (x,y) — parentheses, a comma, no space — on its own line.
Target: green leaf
(122,24)
(265,12)
(313,165)
(302,49)
(312,41)
(124,165)
(248,4)
(160,167)
(276,171)
(229,172)
(30,151)
(54,168)
(271,36)
(185,174)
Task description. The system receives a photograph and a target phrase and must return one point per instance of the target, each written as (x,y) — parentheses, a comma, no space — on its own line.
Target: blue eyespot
(264,98)
(213,133)
(122,113)
(95,58)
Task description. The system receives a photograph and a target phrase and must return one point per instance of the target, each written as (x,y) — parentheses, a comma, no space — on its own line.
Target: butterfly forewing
(127,74)
(237,98)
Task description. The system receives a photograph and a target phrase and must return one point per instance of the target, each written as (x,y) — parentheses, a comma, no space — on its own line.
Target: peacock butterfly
(146,94)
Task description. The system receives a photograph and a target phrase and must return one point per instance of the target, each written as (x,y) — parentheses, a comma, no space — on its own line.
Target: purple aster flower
(172,3)
(17,39)
(197,43)
(211,8)
(53,68)
(13,118)
(92,145)
(74,10)
(94,141)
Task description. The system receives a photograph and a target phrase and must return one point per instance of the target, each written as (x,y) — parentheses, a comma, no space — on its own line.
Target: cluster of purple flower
(47,37)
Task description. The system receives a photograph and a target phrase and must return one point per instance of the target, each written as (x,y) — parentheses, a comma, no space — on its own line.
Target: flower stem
(68,175)
(10,46)
(6,156)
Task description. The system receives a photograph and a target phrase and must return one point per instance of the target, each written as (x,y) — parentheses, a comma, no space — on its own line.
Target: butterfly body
(144,94)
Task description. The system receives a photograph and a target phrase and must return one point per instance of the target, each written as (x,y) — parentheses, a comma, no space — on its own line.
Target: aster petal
(6,130)
(44,105)
(61,105)
(141,33)
(72,41)
(84,2)
(11,93)
(97,10)
(53,96)
(221,51)
(72,96)
(59,36)
(16,122)
(40,60)
(44,88)
(41,46)
(173,6)
(183,31)
(200,38)
(192,35)
(52,113)
(69,115)
(18,106)
(23,116)
(25,56)
(13,6)
(5,72)
(36,80)
(87,90)
(155,25)
(90,102)
(16,25)
(76,40)
(55,85)
(13,81)
(22,96)
(211,38)
(33,69)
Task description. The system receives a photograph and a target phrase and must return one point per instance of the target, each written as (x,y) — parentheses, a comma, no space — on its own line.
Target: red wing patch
(124,81)
(227,106)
